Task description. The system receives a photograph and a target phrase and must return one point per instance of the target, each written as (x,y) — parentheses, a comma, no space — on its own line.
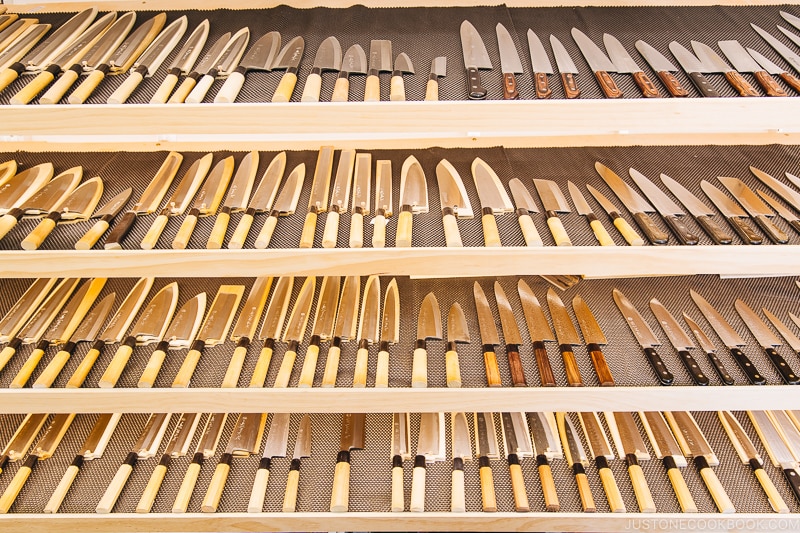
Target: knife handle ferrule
(672,84)
(646,85)
(787,374)
(717,234)
(702,85)
(475,89)
(510,86)
(607,84)
(741,85)
(715,488)
(515,365)
(653,232)
(492,370)
(664,376)
(570,366)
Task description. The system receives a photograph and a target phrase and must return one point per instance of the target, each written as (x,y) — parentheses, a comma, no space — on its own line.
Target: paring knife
(438,70)
(708,347)
(525,206)
(183,62)
(566,67)
(429,450)
(576,459)
(429,326)
(694,68)
(511,336)
(781,444)
(284,206)
(277,440)
(401,451)
(582,207)
(362,194)
(594,338)
(626,65)
(340,197)
(383,201)
(767,340)
(457,331)
(329,57)
(260,57)
(784,213)
(462,451)
(540,64)
(238,194)
(380,60)
(567,337)
(510,63)
(322,329)
(757,209)
(206,448)
(632,449)
(486,448)
(454,201)
(700,211)
(271,328)
(679,340)
(352,438)
(475,58)
(344,330)
(318,198)
(354,62)
(663,67)
(493,197)
(390,332)
(620,223)
(713,63)
(206,201)
(598,62)
(601,451)
(245,328)
(539,330)
(208,60)
(731,211)
(554,202)
(413,199)
(669,210)
(785,52)
(368,327)
(402,65)
(302,448)
(489,336)
(742,62)
(545,446)
(222,67)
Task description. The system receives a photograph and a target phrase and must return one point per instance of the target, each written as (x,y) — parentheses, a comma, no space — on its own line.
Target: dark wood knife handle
(769,84)
(600,365)
(540,84)
(124,225)
(741,85)
(793,82)
(693,368)
(773,232)
(570,85)
(724,376)
(515,364)
(745,231)
(664,376)
(571,366)
(672,84)
(680,230)
(747,366)
(787,374)
(714,230)
(653,233)
(474,87)
(543,363)
(702,85)
(793,478)
(510,86)
(610,88)
(646,85)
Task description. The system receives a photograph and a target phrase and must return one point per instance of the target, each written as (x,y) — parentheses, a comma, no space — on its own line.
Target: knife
(271,328)
(576,459)
(206,448)
(767,340)
(539,330)
(486,448)
(148,202)
(594,338)
(632,448)
(672,458)
(318,199)
(791,339)
(14,30)
(352,438)
(601,450)
(511,336)
(510,63)
(462,451)
(285,205)
(150,60)
(243,442)
(784,213)
(785,52)
(340,197)
(709,348)
(413,198)
(582,207)
(380,60)
(757,209)
(277,440)
(525,206)
(454,201)
(22,46)
(438,70)
(390,332)
(567,337)
(329,57)
(457,331)
(730,338)
(742,62)
(694,68)
(545,446)
(362,187)
(182,63)
(208,60)
(663,67)
(368,328)
(620,223)
(493,197)
(236,200)
(668,209)
(540,64)
(554,202)
(322,330)
(206,202)
(598,62)
(106,214)
(731,211)
(343,330)
(226,63)
(791,19)
(22,439)
(644,337)
(429,326)
(16,189)
(566,67)
(625,64)
(402,65)
(260,57)
(302,448)
(475,58)
(383,201)
(431,436)
(295,331)
(699,210)
(288,59)
(245,328)
(713,63)
(489,336)
(240,192)
(354,62)
(679,340)
(401,429)
(23,308)
(517,444)
(781,440)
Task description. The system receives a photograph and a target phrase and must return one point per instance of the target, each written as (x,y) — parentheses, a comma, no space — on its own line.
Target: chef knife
(260,57)
(545,444)
(620,223)
(713,63)
(206,201)
(772,69)
(511,335)
(785,52)
(239,193)
(510,63)
(669,210)
(413,199)
(493,197)
(362,189)
(791,339)
(625,64)
(277,440)
(632,448)
(182,63)
(368,328)
(352,438)
(601,450)
(227,61)
(380,60)
(289,60)
(489,336)
(732,212)
(539,330)
(390,332)
(462,451)
(781,440)
(791,19)
(271,328)
(401,429)
(284,206)
(344,329)
(383,201)
(699,210)
(486,448)
(302,448)
(354,62)
(208,61)
(454,201)
(245,328)
(663,67)
(236,199)
(475,58)
(428,451)
(679,340)
(340,197)
(22,439)
(576,459)
(402,65)
(540,64)
(457,331)
(767,340)
(566,67)
(322,329)
(694,68)
(594,338)
(438,70)
(105,215)
(582,207)
(525,206)
(784,213)
(328,57)
(598,62)
(554,202)
(755,208)
(295,331)
(318,199)
(567,337)
(429,326)
(742,62)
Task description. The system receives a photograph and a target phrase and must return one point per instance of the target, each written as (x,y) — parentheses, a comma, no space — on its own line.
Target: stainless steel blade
(115,205)
(162,46)
(791,339)
(474,51)
(428,441)
(302,443)
(182,435)
(352,436)
(539,60)
(95,443)
(690,201)
(402,63)
(94,34)
(565,331)
(191,49)
(262,54)
(24,307)
(81,202)
(23,185)
(574,452)
(544,441)
(247,433)
(186,322)
(689,437)
(598,61)
(429,321)
(644,335)
(153,321)
(23,437)
(413,187)
(188,185)
(265,193)
(318,199)
(296,327)
(60,39)
(150,437)
(486,321)
(127,310)
(340,194)
(563,60)
(242,184)
(220,314)
(52,194)
(208,199)
(538,326)
(248,319)
(728,207)
(486,436)
(157,188)
(52,435)
(630,440)
(94,320)
(452,193)
(688,61)
(661,437)
(790,436)
(50,308)
(215,423)
(133,46)
(629,197)
(738,56)
(725,332)
(390,322)
(400,435)
(509,57)
(290,55)
(751,203)
(355,60)
(764,336)
(347,317)
(457,329)
(462,442)
(595,436)
(326,307)
(702,339)
(234,50)
(369,325)
(677,337)
(380,55)
(362,184)
(709,58)
(619,56)
(209,60)
(654,58)
(490,190)
(383,187)
(522,196)
(784,51)
(278,436)
(70,316)
(660,201)
(587,322)
(777,207)
(741,442)
(765,63)
(511,333)
(551,196)
(516,436)
(439,66)
(581,205)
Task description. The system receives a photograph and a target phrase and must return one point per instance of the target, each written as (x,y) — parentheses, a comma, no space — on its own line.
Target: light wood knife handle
(114,489)
(451,233)
(545,478)
(34,87)
(219,230)
(432,90)
(715,488)
(230,89)
(85,366)
(7,223)
(27,369)
(397,89)
(309,230)
(419,368)
(341,91)
(558,231)
(628,232)
(546,375)
(488,499)
(285,88)
(262,367)
(52,370)
(529,231)
(457,496)
(521,504)
(162,94)
(331,233)
(13,489)
(404,229)
(615,501)
(571,366)
(356,230)
(217,485)
(372,89)
(188,367)
(200,90)
(285,372)
(340,494)
(584,490)
(7,77)
(292,487)
(602,235)
(181,239)
(187,488)
(152,488)
(362,362)
(600,365)
(312,88)
(231,379)
(57,498)
(124,91)
(152,369)
(453,369)
(492,370)
(87,87)
(382,370)
(7,353)
(56,92)
(114,370)
(417,504)
(91,237)
(36,237)
(154,233)
(265,235)
(309,367)
(241,231)
(791,80)
(741,85)
(259,491)
(379,231)
(774,497)
(491,235)
(186,86)
(640,488)
(398,495)
(331,366)
(682,491)
(769,84)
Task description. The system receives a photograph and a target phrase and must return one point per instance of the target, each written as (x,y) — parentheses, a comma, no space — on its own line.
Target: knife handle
(265,235)
(231,379)
(200,90)
(543,364)
(644,498)
(330,234)
(262,365)
(56,92)
(529,231)
(546,479)
(242,229)
(417,504)
(217,485)
(85,366)
(672,84)
(286,87)
(541,85)
(153,485)
(664,376)
(791,80)
(8,352)
(13,489)
(615,501)
(8,222)
(309,364)
(379,231)
(419,372)
(452,365)
(232,86)
(515,365)
(57,498)
(492,370)
(600,231)
(170,81)
(775,499)
(357,229)
(184,234)
(717,234)
(682,492)
(625,229)
(114,369)
(179,96)
(792,477)
(715,488)
(35,86)
(54,367)
(154,233)
(600,365)
(488,499)
(91,237)
(701,83)
(773,232)
(607,84)
(744,230)
(724,376)
(259,491)
(186,371)
(510,86)
(474,88)
(653,232)
(362,361)
(680,230)
(397,89)
(752,373)
(741,85)
(285,372)
(769,84)
(118,482)
(432,89)
(153,367)
(646,85)
(451,233)
(571,89)
(120,231)
(557,229)
(187,485)
(340,494)
(404,227)
(9,75)
(29,366)
(341,90)
(783,368)
(124,91)
(521,504)
(372,89)
(584,490)
(88,85)
(382,369)
(693,368)
(313,86)
(309,229)
(45,227)
(491,235)
(398,498)
(795,224)
(292,486)
(332,364)
(571,366)
(458,502)
(219,230)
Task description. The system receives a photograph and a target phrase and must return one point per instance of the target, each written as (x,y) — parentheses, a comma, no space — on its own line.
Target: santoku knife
(767,340)
(525,206)
(594,338)
(222,67)
(756,208)
(620,223)
(413,199)
(582,207)
(663,67)
(329,57)
(540,64)
(454,200)
(625,64)
(554,202)
(354,62)
(566,67)
(713,63)
(732,212)
(679,340)
(576,459)
(402,65)
(182,63)
(277,440)
(489,336)
(700,211)
(694,68)
(742,62)
(429,326)
(598,62)
(475,58)
(260,57)
(318,198)
(539,330)
(567,337)
(669,210)
(510,63)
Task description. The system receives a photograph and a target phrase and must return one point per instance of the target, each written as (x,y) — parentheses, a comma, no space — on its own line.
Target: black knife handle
(793,478)
(610,88)
(474,87)
(702,85)
(795,224)
(726,378)
(570,85)
(672,84)
(773,232)
(747,366)
(122,228)
(510,86)
(693,368)
(664,376)
(653,233)
(680,230)
(745,231)
(714,230)
(783,368)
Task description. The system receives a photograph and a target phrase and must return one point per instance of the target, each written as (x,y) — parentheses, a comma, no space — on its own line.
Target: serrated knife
(626,65)
(700,211)
(599,62)
(663,67)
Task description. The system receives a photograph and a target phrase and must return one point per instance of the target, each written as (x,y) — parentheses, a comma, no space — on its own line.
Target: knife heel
(417,504)
(286,87)
(185,373)
(124,91)
(262,365)
(672,84)
(398,498)
(362,364)
(231,88)
(34,87)
(341,91)
(259,491)
(153,366)
(491,235)
(87,87)
(184,234)
(91,237)
(265,235)
(56,92)
(57,498)
(452,366)
(451,233)
(170,81)
(309,364)
(187,485)
(557,229)
(419,373)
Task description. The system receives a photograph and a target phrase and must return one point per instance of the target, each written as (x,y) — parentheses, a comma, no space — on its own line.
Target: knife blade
(245,328)
(742,62)
(699,210)
(457,331)
(271,328)
(285,205)
(540,64)
(17,188)
(288,59)
(296,330)
(732,212)
(208,60)
(594,338)
(601,450)
(226,63)
(791,339)
(486,449)
(511,335)
(525,206)
(429,326)
(620,223)
(344,329)
(767,340)
(781,444)
(318,199)
(322,330)
(206,202)
(354,62)
(663,67)
(14,30)
(428,451)
(362,187)
(785,52)
(413,199)
(105,215)
(539,330)
(368,328)
(679,340)
(328,57)
(302,448)
(510,63)
(632,448)
(277,440)
(390,332)
(438,70)
(567,337)
(383,201)
(757,209)
(352,438)
(566,67)
(401,429)
(544,444)
(402,65)
(24,307)
(582,207)
(599,62)
(694,68)
(713,63)
(576,459)
(454,201)
(489,336)
(669,210)
(784,213)
(625,64)
(340,197)
(22,46)
(517,444)
(554,202)
(475,58)
(380,60)
(462,451)
(240,191)
(236,199)
(183,62)
(260,57)
(22,439)
(493,197)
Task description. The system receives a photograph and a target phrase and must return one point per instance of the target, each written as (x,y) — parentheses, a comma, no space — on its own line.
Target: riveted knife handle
(693,368)
(118,482)
(417,504)
(186,371)
(773,232)
(570,85)
(330,234)
(362,362)
(769,84)
(57,498)
(292,486)
(286,87)
(340,494)
(775,499)
(715,488)
(219,230)
(13,489)
(714,230)
(793,478)
(91,237)
(259,490)
(545,477)
(600,231)
(793,82)
(262,365)
(510,86)
(356,230)
(607,84)
(56,92)
(529,231)
(724,376)
(309,365)
(119,232)
(680,230)
(170,81)
(398,498)
(787,374)
(457,497)
(672,84)
(488,499)
(29,366)
(640,488)
(265,235)
(312,87)
(231,379)
(557,229)
(404,228)
(372,88)
(452,365)
(154,365)
(741,85)
(653,233)
(242,229)
(614,497)
(88,85)
(451,233)
(682,492)
(570,366)
(627,232)
(309,229)
(181,239)
(752,373)
(492,370)
(117,365)
(475,89)
(152,236)
(744,230)
(332,364)
(34,87)
(600,365)
(646,85)
(664,376)
(379,231)
(541,86)
(515,365)
(584,490)
(543,364)
(397,89)
(285,371)
(153,486)
(124,91)
(187,485)
(419,372)
(230,89)
(217,485)
(382,369)
(432,89)
(701,83)
(85,366)
(341,90)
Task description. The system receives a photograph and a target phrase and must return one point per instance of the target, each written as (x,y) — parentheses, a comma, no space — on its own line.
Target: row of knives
(215,190)
(65,313)
(544,437)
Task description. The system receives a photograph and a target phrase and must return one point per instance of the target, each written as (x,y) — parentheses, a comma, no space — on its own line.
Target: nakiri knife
(489,336)
(742,62)
(429,326)
(632,449)
(245,328)
(567,337)
(340,197)
(554,202)
(322,329)
(402,65)
(343,330)
(713,63)
(22,439)
(625,64)
(429,450)
(182,63)
(454,201)
(517,445)
(511,336)
(413,199)
(18,188)
(457,331)
(362,189)
(271,328)
(368,328)
(566,67)
(284,206)
(781,440)
(784,213)
(277,440)
(401,451)
(510,64)
(545,447)
(756,208)
(296,330)
(438,70)
(791,339)
(525,206)
(599,62)
(539,331)
(785,52)
(302,448)
(671,456)
(583,209)
(318,198)
(486,448)
(149,328)
(208,60)
(540,64)
(679,340)
(700,211)
(239,193)
(150,60)
(576,459)
(694,68)
(225,64)
(289,60)
(462,451)
(206,448)
(494,200)
(383,201)
(105,215)
(475,58)
(236,199)
(663,67)
(260,57)
(670,211)
(729,338)
(602,452)
(354,62)
(145,448)
(594,338)
(380,60)
(32,35)
(644,337)
(93,448)
(732,212)
(390,332)
(620,223)
(767,340)
(352,438)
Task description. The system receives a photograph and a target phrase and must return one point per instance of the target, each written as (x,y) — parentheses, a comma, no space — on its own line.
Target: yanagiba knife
(486,448)
(567,337)
(402,65)
(545,447)
(454,201)
(22,439)
(457,331)
(632,449)
(239,193)
(289,60)
(209,60)
(525,206)
(489,336)
(663,67)
(710,350)
(245,328)
(429,326)
(582,207)
(601,450)
(679,340)
(594,338)
(511,336)
(600,64)
(14,31)
(296,330)
(756,208)
(625,64)
(380,60)
(271,328)
(625,229)
(206,448)
(700,211)
(475,58)
(644,337)
(767,340)
(236,199)
(694,68)
(517,445)
(539,330)
(413,199)
(277,440)
(284,206)
(742,62)
(540,64)
(554,202)
(340,197)
(182,63)
(732,212)
(780,438)
(354,62)
(318,199)
(222,67)
(576,459)
(343,330)
(784,213)
(260,57)
(352,438)
(322,330)
(429,450)
(105,215)
(368,328)
(462,451)
(28,40)
(566,67)
(401,429)
(383,202)
(302,448)
(510,63)
(362,189)
(390,332)
(713,63)
(438,70)
(669,210)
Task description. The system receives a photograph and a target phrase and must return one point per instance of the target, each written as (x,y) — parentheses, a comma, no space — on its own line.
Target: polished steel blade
(641,330)
(791,339)
(619,55)
(738,56)
(71,315)
(452,193)
(539,60)
(516,436)
(551,196)
(765,63)
(788,436)
(383,186)
(23,185)
(751,203)
(52,435)
(215,423)
(565,331)
(115,205)
(132,47)
(247,432)
(59,40)
(764,336)
(127,310)
(290,55)
(413,187)
(369,325)
(486,436)
(362,184)
(563,60)
(428,441)
(262,54)
(95,443)
(538,326)
(689,437)
(725,332)
(629,197)
(710,58)
(209,60)
(660,201)
(234,50)
(475,54)
(248,319)
(587,322)
(654,58)
(210,196)
(325,314)
(598,61)
(220,314)
(347,316)
(402,63)
(94,320)
(429,321)
(581,205)
(630,440)
(318,199)
(29,38)
(278,436)
(50,308)
(595,436)
(462,442)
(268,187)
(81,202)
(490,189)
(778,207)
(162,46)
(188,185)
(677,337)
(296,327)
(400,435)
(182,435)
(741,442)
(302,443)
(329,55)
(457,329)
(186,322)
(688,61)
(661,437)
(242,184)
(340,195)
(352,436)
(486,321)
(728,207)
(191,49)
(52,194)
(153,321)
(509,57)
(22,439)
(690,201)
(95,33)
(439,66)
(573,447)
(784,51)
(522,196)
(150,437)
(380,55)
(390,322)
(511,333)
(604,202)
(24,307)
(702,339)
(355,60)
